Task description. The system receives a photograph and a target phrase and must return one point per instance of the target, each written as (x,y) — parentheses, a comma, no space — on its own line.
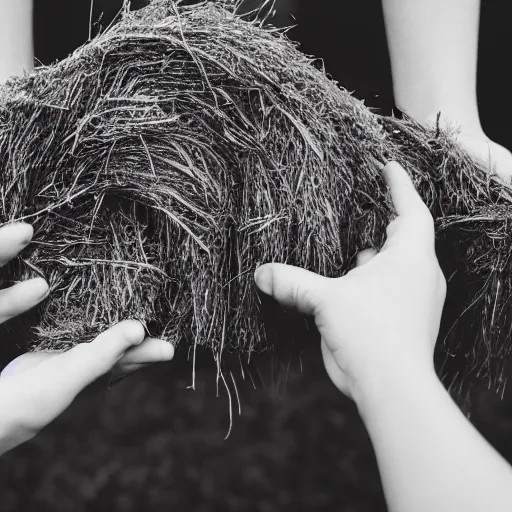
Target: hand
(383,313)
(36,387)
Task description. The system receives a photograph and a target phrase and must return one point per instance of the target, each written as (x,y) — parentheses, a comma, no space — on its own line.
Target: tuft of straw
(162,162)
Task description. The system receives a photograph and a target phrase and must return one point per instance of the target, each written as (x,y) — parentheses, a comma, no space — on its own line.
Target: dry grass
(166,159)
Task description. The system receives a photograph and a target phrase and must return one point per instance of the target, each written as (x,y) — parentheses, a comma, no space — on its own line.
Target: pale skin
(37,387)
(378,325)
(433,48)
(16,38)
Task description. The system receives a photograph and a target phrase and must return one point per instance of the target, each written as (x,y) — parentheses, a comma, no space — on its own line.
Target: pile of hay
(161,163)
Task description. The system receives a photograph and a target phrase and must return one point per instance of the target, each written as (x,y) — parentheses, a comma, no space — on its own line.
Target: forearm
(433,46)
(431,458)
(16,38)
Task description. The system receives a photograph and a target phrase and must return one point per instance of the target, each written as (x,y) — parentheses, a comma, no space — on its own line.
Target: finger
(21,297)
(26,362)
(414,225)
(72,371)
(43,392)
(365,256)
(151,350)
(405,198)
(292,287)
(13,238)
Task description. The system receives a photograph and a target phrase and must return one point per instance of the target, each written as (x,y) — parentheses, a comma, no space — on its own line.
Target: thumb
(292,287)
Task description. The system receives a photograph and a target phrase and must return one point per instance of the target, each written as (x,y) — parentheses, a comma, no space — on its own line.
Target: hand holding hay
(385,310)
(163,161)
(36,387)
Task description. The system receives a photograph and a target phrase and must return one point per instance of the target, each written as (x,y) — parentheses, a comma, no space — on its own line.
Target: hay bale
(166,159)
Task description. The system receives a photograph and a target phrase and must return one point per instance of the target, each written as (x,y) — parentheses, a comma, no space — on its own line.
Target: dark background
(150,443)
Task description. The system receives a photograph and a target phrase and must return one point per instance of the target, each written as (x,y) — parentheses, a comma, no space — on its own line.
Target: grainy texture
(151,444)
(166,159)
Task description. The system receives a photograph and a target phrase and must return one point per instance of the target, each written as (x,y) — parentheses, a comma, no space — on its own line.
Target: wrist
(388,382)
(452,116)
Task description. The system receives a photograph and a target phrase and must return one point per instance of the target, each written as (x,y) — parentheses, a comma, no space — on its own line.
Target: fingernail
(263,279)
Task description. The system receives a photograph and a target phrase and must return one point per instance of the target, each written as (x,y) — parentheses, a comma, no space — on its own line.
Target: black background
(347,34)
